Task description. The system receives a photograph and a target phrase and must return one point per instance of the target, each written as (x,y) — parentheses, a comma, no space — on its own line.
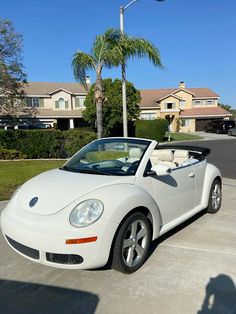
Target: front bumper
(42,239)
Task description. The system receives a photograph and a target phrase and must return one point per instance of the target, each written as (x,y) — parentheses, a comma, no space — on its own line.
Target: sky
(196,40)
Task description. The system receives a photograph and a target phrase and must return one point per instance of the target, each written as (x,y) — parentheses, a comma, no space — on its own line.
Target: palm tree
(110,49)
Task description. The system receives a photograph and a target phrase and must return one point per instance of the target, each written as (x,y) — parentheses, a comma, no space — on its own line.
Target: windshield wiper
(66,168)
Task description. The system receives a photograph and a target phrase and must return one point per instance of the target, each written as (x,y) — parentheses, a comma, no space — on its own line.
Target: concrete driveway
(190,270)
(214,136)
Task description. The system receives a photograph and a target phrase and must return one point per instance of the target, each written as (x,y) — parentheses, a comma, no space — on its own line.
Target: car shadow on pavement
(27,298)
(220,296)
(173,231)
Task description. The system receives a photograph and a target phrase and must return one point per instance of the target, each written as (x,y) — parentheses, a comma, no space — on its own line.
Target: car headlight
(86,213)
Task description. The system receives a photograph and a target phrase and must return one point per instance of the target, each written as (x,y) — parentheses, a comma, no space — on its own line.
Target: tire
(218,131)
(215,197)
(230,133)
(131,244)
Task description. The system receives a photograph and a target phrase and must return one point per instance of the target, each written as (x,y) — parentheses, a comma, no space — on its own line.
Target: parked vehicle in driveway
(219,126)
(232,132)
(108,202)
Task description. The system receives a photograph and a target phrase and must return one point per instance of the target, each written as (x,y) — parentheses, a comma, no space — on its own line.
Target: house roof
(46,88)
(150,97)
(205,112)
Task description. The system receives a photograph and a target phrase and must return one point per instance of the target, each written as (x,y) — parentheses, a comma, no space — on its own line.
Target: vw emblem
(33,201)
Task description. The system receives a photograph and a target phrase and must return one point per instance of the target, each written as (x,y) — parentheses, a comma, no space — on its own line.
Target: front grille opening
(70,259)
(28,251)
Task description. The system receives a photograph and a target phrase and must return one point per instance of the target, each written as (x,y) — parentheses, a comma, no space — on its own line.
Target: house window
(148,116)
(169,106)
(197,102)
(186,122)
(209,102)
(32,102)
(61,103)
(79,102)
(182,103)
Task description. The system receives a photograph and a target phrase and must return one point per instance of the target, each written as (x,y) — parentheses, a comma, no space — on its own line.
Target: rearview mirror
(160,170)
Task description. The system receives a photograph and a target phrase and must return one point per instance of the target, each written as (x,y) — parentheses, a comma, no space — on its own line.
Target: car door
(175,193)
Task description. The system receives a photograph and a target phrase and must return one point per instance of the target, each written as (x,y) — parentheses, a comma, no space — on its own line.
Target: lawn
(181,137)
(14,173)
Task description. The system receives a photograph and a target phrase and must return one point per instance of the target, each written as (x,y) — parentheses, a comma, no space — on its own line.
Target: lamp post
(125,128)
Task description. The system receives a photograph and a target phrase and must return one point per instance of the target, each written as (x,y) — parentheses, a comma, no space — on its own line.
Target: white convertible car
(108,202)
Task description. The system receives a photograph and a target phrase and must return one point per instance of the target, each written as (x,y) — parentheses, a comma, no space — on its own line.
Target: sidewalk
(191,270)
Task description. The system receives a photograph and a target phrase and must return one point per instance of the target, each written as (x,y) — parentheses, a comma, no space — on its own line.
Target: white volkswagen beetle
(108,202)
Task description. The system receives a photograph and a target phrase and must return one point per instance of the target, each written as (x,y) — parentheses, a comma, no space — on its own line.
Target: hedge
(46,143)
(9,154)
(152,129)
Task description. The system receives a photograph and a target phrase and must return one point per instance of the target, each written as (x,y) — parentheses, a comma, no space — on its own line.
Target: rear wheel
(230,133)
(132,243)
(218,131)
(215,197)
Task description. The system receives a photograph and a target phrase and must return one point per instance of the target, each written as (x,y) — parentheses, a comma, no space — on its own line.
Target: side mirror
(160,170)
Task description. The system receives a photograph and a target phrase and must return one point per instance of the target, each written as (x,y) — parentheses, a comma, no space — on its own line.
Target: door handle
(191,175)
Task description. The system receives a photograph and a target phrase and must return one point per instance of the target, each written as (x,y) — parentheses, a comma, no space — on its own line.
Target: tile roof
(45,88)
(150,96)
(204,112)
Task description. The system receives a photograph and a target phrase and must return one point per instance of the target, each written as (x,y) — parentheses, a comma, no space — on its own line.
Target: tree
(226,107)
(110,49)
(12,76)
(112,106)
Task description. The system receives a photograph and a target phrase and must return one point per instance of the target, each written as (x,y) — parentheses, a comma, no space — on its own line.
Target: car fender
(211,173)
(120,199)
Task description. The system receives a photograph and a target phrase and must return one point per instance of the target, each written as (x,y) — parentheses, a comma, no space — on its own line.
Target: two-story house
(60,103)
(186,109)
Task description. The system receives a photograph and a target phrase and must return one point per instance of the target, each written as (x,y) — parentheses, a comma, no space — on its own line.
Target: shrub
(46,143)
(75,139)
(8,154)
(152,129)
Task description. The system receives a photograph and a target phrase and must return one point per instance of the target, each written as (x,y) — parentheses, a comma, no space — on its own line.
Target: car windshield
(117,157)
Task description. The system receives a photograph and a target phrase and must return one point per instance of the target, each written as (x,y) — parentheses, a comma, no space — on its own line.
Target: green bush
(8,154)
(46,143)
(151,129)
(75,139)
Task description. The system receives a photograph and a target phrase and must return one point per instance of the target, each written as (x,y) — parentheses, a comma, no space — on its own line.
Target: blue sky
(196,39)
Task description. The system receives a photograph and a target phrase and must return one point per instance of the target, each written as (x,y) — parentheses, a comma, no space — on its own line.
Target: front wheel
(215,197)
(230,133)
(132,243)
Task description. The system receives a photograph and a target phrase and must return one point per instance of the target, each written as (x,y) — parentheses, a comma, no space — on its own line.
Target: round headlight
(86,213)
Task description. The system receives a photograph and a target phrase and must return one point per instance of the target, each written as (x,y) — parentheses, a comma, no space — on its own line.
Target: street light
(122,10)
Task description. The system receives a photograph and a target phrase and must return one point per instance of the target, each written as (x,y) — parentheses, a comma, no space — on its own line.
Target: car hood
(56,189)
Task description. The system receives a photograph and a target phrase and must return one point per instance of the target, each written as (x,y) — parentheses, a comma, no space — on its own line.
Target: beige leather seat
(135,154)
(163,156)
(180,156)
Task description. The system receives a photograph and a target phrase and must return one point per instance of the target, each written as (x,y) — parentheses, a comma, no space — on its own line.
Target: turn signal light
(81,241)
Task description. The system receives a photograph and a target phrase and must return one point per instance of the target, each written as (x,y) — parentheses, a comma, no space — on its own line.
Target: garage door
(201,123)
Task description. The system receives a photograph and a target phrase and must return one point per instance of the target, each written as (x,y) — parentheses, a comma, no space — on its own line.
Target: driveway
(214,136)
(190,270)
